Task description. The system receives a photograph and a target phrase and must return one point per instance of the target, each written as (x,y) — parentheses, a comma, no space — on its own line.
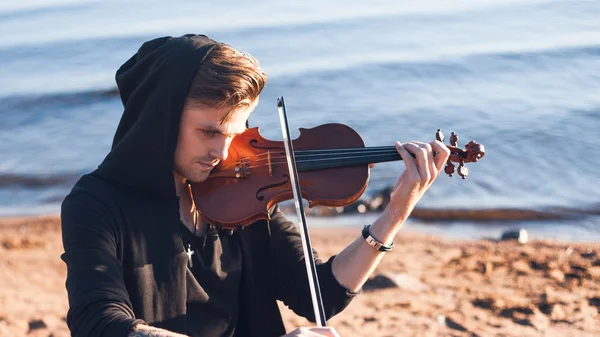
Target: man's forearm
(353,266)
(141,330)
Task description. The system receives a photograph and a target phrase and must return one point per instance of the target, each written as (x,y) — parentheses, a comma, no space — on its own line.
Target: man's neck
(185,206)
(181,188)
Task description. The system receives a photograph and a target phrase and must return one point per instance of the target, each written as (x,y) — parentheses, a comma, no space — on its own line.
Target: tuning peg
(449,169)
(453,139)
(439,135)
(463,171)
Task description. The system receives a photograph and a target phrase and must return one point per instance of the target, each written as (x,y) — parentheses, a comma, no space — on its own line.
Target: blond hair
(227,77)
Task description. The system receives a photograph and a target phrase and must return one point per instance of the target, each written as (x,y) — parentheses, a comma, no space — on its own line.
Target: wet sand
(427,286)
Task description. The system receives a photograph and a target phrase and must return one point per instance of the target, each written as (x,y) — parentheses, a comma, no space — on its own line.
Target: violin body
(332,164)
(255,176)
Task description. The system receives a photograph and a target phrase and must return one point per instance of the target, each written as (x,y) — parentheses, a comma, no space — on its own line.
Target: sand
(427,286)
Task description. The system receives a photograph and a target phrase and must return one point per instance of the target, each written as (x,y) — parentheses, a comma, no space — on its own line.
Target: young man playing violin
(127,225)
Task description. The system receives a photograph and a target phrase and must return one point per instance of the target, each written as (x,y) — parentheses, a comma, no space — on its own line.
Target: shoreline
(427,286)
(562,231)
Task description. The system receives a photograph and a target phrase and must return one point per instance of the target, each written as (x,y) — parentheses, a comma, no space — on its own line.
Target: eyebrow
(216,129)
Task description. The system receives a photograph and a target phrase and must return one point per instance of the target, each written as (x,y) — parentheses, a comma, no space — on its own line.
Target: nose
(220,148)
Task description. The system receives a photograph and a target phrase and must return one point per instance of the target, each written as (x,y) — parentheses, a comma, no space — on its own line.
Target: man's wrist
(374,242)
(142,330)
(384,228)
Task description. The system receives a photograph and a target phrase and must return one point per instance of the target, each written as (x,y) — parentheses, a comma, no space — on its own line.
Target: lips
(206,166)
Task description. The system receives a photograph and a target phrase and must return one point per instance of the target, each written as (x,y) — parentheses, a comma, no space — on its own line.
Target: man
(126,225)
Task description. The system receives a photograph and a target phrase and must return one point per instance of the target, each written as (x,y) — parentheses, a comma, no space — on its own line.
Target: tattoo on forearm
(148,331)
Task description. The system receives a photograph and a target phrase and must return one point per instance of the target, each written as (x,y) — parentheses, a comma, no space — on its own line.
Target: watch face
(372,241)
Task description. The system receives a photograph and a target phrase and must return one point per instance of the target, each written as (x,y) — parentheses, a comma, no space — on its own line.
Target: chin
(194,176)
(199,177)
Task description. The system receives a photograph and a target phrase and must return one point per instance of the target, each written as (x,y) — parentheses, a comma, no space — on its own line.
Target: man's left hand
(420,173)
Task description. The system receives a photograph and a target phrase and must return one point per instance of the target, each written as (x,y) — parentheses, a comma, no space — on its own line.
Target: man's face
(204,141)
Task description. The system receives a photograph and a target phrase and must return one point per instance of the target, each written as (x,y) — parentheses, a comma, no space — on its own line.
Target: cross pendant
(189,253)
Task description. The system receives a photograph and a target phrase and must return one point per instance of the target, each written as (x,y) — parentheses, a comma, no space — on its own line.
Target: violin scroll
(471,154)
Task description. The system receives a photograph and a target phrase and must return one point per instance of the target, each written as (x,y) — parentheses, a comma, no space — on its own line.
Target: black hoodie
(122,232)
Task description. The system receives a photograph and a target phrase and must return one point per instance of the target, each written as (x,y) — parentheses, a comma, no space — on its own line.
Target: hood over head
(153,85)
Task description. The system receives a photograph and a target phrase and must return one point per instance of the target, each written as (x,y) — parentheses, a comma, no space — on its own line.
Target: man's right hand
(313,332)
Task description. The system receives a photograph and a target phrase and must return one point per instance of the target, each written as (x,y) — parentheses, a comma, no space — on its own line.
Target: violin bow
(311,268)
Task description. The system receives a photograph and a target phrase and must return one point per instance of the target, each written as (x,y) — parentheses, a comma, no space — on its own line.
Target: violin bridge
(269,163)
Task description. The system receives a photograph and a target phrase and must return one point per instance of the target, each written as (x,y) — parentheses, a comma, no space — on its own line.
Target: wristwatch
(374,242)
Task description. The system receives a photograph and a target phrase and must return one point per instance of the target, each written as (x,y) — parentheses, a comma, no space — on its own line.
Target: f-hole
(268,187)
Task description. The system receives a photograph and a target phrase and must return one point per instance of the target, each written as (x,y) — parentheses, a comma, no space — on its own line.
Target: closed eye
(210,133)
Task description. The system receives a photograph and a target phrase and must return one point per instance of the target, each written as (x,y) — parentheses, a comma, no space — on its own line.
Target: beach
(520,77)
(427,286)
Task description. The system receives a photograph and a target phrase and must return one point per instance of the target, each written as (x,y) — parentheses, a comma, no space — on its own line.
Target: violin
(333,169)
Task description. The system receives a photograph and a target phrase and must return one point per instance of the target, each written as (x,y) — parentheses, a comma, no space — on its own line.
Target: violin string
(322,159)
(339,156)
(327,152)
(335,155)
(313,158)
(333,152)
